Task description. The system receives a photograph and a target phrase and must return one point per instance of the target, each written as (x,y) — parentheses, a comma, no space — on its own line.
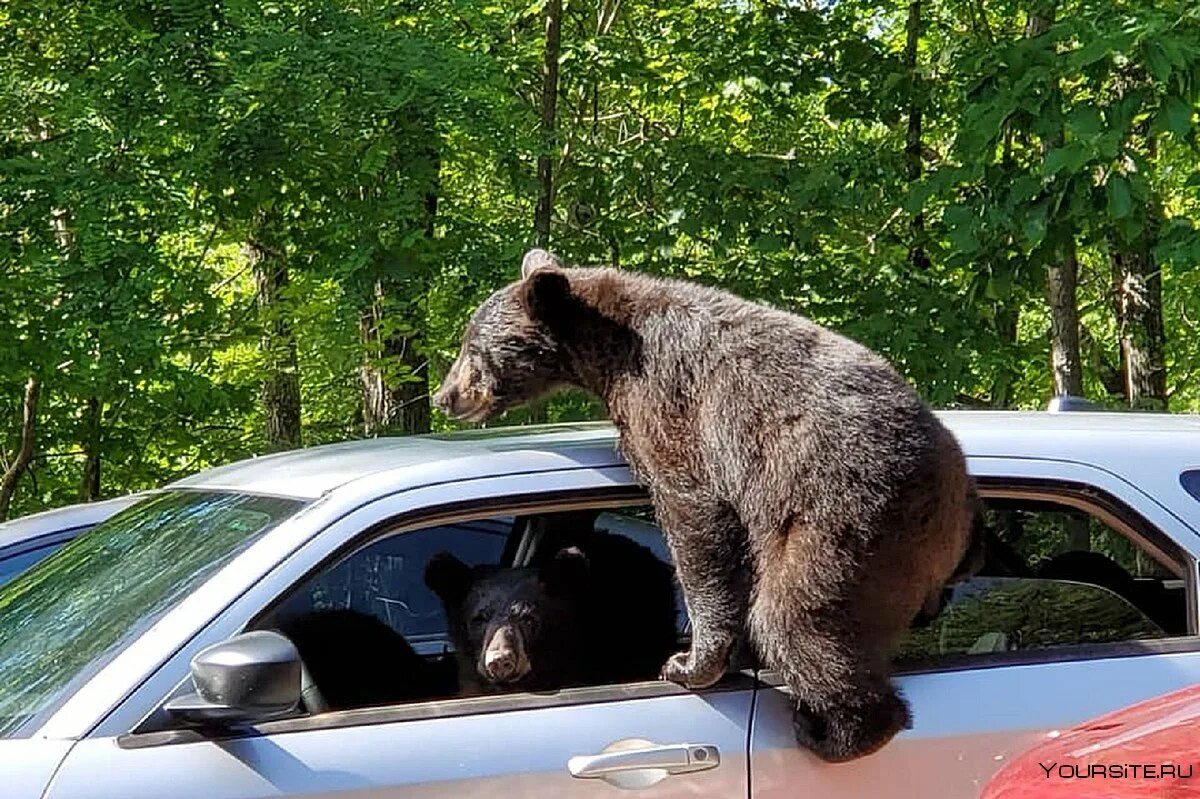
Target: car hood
(27,765)
(1096,758)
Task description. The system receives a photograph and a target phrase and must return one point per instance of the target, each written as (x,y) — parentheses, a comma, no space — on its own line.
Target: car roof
(311,472)
(1098,438)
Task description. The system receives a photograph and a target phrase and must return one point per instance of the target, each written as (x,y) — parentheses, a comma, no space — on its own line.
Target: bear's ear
(538,259)
(546,295)
(448,577)
(545,289)
(566,573)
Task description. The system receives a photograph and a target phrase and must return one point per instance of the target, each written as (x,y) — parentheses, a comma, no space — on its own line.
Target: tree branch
(8,483)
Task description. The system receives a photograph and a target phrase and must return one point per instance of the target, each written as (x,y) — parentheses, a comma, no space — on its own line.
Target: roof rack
(1069,402)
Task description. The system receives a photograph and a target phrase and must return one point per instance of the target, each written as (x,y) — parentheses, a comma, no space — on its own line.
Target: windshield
(61,621)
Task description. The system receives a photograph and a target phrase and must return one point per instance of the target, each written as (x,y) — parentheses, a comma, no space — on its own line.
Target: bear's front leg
(712,560)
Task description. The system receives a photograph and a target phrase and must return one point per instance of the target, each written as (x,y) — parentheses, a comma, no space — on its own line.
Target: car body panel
(408,461)
(456,754)
(966,725)
(521,753)
(27,766)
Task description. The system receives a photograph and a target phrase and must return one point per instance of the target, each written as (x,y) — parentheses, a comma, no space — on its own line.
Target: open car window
(407,616)
(385,579)
(1054,576)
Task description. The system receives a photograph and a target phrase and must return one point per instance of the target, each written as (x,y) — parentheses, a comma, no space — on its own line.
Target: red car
(1150,749)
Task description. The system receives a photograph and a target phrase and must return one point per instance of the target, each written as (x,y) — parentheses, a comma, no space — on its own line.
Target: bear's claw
(680,670)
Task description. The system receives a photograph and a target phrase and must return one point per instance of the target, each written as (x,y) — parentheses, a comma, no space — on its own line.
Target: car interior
(1053,576)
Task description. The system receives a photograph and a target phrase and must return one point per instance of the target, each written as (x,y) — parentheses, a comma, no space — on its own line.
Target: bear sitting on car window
(598,612)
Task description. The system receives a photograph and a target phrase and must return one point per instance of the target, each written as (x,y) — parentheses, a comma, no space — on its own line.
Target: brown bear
(810,499)
(597,612)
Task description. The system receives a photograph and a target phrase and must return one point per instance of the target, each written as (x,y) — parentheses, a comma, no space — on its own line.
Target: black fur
(601,610)
(358,661)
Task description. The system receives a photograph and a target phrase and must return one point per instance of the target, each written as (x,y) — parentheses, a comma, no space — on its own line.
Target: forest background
(232,227)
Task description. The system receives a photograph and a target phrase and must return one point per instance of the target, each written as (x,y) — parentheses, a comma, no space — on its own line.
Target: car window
(13,565)
(1054,575)
(386,579)
(1005,614)
(120,578)
(380,608)
(1190,480)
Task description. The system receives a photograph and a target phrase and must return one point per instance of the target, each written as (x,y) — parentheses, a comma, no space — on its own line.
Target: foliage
(755,145)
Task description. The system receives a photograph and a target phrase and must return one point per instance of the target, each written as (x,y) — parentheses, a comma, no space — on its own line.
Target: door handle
(669,759)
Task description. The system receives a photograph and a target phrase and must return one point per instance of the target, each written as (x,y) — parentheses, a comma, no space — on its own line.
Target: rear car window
(12,566)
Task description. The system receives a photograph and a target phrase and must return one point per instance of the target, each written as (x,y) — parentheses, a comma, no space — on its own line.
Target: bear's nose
(501,665)
(504,658)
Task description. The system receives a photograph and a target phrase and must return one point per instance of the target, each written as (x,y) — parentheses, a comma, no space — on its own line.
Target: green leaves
(1120,200)
(761,147)
(1177,115)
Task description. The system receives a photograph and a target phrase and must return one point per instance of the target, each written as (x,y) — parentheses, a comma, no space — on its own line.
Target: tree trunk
(394,374)
(1079,533)
(913,147)
(89,488)
(396,404)
(549,125)
(548,130)
(281,381)
(1137,280)
(25,449)
(1066,362)
(1137,295)
(1062,278)
(1007,317)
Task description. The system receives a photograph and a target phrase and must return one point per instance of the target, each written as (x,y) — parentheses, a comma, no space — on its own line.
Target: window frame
(148,732)
(1102,504)
(1119,517)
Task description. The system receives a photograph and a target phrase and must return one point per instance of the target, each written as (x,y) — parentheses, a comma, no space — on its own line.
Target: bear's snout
(504,659)
(464,394)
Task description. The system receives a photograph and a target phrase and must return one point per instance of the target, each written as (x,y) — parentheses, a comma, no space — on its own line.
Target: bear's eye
(479,618)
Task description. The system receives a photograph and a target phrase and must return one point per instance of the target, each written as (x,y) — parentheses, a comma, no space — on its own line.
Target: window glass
(386,579)
(12,566)
(1054,576)
(1005,614)
(69,615)
(1190,480)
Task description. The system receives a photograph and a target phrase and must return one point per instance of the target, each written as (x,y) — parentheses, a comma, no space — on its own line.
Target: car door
(1026,654)
(649,736)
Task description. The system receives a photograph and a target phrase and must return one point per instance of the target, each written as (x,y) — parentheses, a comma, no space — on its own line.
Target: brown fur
(811,501)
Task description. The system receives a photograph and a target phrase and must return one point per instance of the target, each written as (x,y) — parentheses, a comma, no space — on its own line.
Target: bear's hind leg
(709,547)
(846,706)
(843,728)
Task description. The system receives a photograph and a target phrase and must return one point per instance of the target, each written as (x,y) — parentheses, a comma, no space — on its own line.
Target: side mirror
(251,677)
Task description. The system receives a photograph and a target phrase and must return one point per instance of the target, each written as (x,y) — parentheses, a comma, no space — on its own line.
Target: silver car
(134,660)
